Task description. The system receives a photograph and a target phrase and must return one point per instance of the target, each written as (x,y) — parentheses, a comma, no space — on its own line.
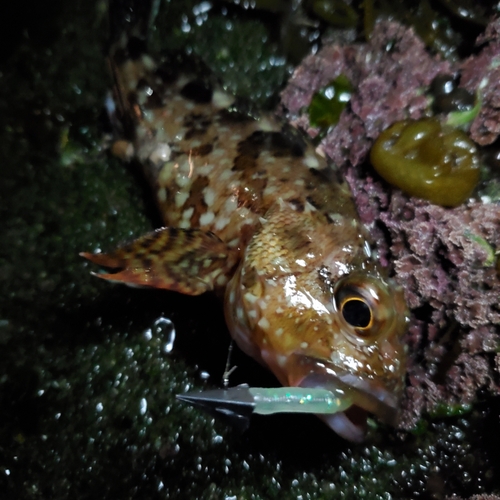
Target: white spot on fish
(281,360)
(320,151)
(252,314)
(162,195)
(289,194)
(226,174)
(205,169)
(148,62)
(267,125)
(336,217)
(221,223)
(207,218)
(270,190)
(222,100)
(250,297)
(160,154)
(180,198)
(231,204)
(279,332)
(264,323)
(240,314)
(166,172)
(308,208)
(182,181)
(209,196)
(304,345)
(311,161)
(186,215)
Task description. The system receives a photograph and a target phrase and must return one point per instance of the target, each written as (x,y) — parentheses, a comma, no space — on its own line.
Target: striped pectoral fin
(188,261)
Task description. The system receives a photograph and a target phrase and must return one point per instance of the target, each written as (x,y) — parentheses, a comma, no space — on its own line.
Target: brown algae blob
(427,160)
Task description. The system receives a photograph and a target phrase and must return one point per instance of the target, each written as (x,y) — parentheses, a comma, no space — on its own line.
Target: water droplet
(147,334)
(165,328)
(143,406)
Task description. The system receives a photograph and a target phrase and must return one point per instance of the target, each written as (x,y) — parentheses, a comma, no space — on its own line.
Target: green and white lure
(298,400)
(241,402)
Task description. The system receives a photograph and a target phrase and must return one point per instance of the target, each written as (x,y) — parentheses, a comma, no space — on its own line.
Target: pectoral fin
(188,261)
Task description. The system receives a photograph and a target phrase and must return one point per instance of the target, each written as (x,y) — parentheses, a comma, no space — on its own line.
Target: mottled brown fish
(252,212)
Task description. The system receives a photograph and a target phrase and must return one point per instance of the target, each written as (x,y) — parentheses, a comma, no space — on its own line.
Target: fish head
(315,326)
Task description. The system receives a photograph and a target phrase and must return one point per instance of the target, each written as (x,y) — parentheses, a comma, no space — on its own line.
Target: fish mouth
(367,396)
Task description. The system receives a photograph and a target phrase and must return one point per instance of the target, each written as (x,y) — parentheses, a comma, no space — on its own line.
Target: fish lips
(368,396)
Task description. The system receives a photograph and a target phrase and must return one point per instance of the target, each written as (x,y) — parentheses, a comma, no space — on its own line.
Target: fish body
(254,213)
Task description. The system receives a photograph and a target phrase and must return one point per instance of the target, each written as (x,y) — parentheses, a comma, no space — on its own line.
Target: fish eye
(364,307)
(357,312)
(357,301)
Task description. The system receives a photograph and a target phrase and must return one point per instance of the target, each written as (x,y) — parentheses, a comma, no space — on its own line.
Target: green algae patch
(328,103)
(443,410)
(485,246)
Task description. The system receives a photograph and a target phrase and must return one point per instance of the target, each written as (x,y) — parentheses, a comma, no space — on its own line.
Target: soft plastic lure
(239,403)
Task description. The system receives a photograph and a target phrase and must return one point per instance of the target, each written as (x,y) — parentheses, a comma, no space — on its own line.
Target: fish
(254,213)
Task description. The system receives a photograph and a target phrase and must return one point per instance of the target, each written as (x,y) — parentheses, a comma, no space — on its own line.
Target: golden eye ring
(357,313)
